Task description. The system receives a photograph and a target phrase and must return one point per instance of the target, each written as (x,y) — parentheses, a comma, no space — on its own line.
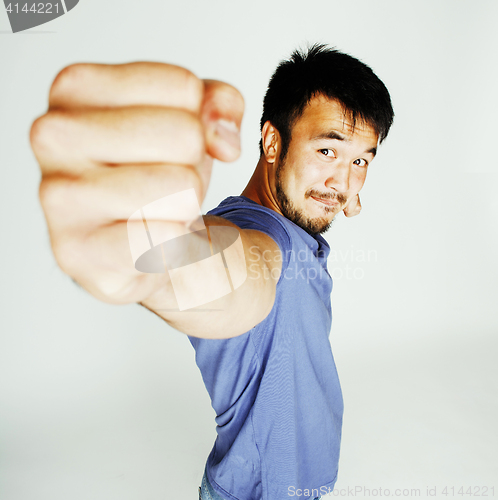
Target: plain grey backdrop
(105,402)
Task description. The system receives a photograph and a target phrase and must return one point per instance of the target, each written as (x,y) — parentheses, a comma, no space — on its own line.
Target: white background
(105,402)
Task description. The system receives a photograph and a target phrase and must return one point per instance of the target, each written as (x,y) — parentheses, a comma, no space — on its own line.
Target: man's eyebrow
(329,135)
(338,137)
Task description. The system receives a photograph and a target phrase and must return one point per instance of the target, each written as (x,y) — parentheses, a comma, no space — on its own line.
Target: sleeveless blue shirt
(275,389)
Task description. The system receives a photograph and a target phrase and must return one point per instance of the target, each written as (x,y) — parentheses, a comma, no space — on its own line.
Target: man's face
(325,165)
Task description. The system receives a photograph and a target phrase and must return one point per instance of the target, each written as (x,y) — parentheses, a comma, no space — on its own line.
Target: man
(117,138)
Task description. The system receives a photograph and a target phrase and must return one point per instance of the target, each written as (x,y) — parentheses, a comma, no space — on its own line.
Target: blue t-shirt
(275,388)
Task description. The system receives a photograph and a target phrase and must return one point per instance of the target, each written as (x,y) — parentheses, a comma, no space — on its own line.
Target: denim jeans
(206,491)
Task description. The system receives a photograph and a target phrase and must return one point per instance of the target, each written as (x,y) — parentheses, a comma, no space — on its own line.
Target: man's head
(329,110)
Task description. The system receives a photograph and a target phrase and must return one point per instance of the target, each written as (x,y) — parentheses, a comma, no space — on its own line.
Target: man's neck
(261,186)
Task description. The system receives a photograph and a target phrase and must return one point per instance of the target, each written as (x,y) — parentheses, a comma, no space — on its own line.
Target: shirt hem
(322,490)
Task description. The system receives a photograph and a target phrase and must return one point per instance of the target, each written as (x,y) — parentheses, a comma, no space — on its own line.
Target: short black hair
(321,70)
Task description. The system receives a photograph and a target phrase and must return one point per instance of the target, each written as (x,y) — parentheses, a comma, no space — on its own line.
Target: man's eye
(361,162)
(327,152)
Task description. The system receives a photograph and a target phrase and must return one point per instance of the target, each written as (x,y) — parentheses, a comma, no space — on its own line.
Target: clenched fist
(114,139)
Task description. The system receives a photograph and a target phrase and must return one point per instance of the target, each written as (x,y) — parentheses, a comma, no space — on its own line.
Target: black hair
(325,71)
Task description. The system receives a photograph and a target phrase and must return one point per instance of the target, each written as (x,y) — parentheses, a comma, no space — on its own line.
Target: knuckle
(56,193)
(46,129)
(36,133)
(194,89)
(65,80)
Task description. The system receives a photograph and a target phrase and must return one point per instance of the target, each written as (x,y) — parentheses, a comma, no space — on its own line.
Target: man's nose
(339,178)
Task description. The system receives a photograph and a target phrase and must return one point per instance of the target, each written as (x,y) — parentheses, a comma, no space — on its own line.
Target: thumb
(221,113)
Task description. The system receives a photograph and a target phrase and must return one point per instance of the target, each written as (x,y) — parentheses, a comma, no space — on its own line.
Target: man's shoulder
(249,215)
(244,211)
(240,203)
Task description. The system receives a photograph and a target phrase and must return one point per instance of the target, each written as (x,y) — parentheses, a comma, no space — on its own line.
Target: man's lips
(328,202)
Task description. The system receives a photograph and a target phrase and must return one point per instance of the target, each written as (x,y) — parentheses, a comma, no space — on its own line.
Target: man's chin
(322,226)
(318,224)
(313,226)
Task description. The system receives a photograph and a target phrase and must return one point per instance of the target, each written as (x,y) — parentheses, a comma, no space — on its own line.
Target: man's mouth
(328,202)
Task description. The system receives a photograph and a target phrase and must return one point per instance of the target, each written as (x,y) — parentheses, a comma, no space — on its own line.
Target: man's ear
(271,141)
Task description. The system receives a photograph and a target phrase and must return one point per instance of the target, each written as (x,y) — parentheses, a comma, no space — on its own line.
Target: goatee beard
(314,226)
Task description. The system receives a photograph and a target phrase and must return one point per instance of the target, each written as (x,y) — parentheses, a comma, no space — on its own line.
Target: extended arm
(117,138)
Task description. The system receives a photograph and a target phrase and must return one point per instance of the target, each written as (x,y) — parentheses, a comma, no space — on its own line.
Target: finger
(133,84)
(79,138)
(102,196)
(353,207)
(204,170)
(222,111)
